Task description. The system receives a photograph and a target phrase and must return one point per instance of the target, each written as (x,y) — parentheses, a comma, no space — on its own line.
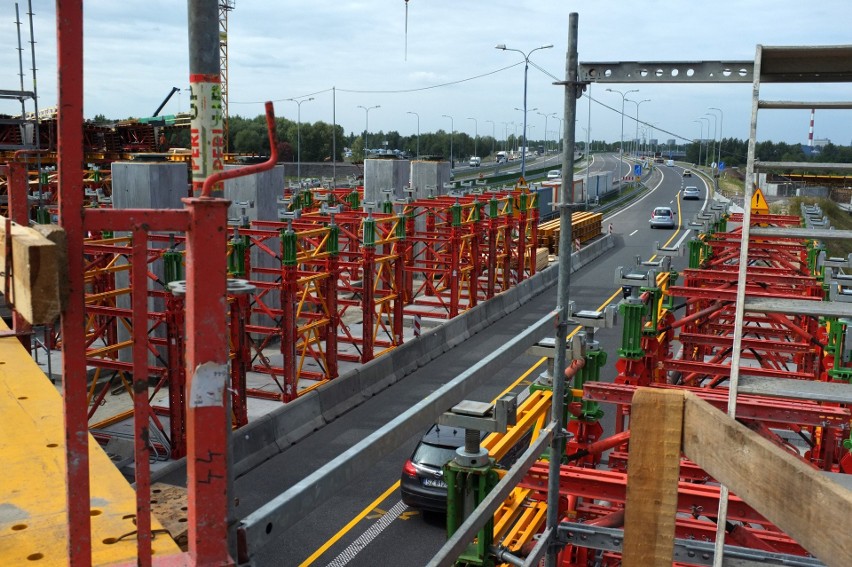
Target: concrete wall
(146,185)
(324,169)
(381,174)
(428,178)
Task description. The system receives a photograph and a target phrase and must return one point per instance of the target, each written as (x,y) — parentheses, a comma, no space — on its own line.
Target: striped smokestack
(811,131)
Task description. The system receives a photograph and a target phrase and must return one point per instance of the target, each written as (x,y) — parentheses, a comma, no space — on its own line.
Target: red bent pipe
(249,169)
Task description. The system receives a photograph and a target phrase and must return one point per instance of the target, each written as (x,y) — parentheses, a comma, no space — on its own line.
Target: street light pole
(545,131)
(475,134)
(418,132)
(493,138)
(621,144)
(638,104)
(721,118)
(367,124)
(505,135)
(708,132)
(713,147)
(452,129)
(503,47)
(559,134)
(299,136)
(700,135)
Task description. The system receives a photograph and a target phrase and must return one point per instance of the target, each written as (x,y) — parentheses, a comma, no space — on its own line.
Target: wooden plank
(35,268)
(656,423)
(800,500)
(56,234)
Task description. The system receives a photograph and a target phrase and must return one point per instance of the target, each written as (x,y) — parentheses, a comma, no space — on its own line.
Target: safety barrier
(263,438)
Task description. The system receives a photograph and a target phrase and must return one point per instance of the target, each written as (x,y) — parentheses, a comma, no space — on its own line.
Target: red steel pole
(141,409)
(207,424)
(69,47)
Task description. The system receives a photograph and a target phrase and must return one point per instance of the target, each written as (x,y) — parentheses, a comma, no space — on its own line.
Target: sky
(135,51)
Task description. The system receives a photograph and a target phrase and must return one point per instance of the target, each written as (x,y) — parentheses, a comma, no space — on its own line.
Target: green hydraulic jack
(470,475)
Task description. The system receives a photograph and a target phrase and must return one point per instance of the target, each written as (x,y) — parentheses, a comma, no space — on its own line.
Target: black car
(422,482)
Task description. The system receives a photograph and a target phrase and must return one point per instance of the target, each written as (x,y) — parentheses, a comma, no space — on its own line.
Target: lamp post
(367,110)
(505,135)
(545,130)
(503,47)
(638,104)
(475,134)
(713,147)
(418,132)
(452,129)
(721,118)
(559,134)
(299,136)
(708,133)
(493,138)
(621,144)
(700,135)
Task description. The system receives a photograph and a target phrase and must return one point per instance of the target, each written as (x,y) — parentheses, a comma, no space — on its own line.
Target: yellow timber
(33,520)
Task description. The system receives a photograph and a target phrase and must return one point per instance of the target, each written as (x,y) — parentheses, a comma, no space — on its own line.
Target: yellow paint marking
(345,529)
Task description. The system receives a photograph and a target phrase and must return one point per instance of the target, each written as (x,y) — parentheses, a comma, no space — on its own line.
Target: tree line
(249,136)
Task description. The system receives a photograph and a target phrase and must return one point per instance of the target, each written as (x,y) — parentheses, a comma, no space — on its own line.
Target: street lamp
(505,135)
(700,135)
(721,118)
(418,132)
(493,138)
(503,47)
(708,133)
(621,144)
(475,134)
(299,135)
(545,130)
(367,124)
(452,129)
(712,147)
(560,133)
(638,104)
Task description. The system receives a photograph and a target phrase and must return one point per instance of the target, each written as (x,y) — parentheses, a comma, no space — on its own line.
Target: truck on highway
(501,157)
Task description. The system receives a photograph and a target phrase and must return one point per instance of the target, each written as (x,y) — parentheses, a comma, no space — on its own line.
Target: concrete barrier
(264,437)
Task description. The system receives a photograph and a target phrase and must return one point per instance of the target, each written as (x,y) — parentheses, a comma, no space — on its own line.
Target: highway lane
(367,524)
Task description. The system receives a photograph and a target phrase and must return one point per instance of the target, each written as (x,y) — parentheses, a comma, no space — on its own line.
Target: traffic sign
(758,202)
(721,166)
(637,170)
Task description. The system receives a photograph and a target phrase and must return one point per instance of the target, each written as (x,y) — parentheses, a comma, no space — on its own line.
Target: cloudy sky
(136,51)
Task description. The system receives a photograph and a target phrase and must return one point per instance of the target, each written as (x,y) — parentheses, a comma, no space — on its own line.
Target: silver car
(663,217)
(691,192)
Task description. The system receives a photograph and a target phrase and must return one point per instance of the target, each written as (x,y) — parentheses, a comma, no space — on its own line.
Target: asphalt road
(367,525)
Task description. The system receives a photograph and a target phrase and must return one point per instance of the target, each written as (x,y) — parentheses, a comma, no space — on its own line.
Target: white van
(670,162)
(475,161)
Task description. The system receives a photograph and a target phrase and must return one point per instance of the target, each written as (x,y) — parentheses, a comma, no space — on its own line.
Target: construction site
(172,310)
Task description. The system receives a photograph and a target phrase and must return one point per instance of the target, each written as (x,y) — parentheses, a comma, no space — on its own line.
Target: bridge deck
(33,521)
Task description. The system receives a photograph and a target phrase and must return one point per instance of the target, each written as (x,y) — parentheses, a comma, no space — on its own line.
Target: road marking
(634,232)
(345,529)
(372,533)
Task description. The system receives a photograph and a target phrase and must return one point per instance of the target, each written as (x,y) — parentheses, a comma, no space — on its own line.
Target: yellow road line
(345,529)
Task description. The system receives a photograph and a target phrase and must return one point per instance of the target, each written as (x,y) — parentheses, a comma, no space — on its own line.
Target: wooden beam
(34,273)
(656,423)
(800,500)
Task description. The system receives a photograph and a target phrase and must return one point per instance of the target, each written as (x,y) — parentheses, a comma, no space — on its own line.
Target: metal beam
(686,551)
(809,233)
(668,72)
